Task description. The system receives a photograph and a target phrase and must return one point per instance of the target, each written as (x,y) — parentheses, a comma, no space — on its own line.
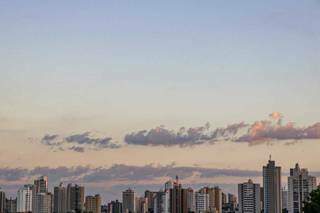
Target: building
(217,199)
(300,184)
(43,202)
(2,202)
(11,205)
(191,200)
(202,201)
(24,199)
(150,196)
(141,205)
(40,186)
(272,187)
(128,201)
(115,207)
(249,197)
(60,199)
(284,197)
(160,202)
(178,198)
(75,198)
(93,204)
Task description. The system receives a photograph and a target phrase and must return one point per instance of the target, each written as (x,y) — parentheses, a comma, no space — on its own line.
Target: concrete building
(202,201)
(150,196)
(159,205)
(191,200)
(40,186)
(249,197)
(93,204)
(24,199)
(43,203)
(272,187)
(115,207)
(11,205)
(128,201)
(178,198)
(2,202)
(75,198)
(300,185)
(284,197)
(60,199)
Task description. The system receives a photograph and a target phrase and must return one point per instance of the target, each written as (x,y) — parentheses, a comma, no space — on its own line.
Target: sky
(116,88)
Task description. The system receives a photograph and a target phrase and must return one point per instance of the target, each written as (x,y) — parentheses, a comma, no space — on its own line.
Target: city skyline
(112,94)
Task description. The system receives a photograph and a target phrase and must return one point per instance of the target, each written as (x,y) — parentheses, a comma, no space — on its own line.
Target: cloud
(78,142)
(183,137)
(268,130)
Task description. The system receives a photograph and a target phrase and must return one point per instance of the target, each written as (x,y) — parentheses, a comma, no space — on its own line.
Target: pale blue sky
(116,66)
(129,57)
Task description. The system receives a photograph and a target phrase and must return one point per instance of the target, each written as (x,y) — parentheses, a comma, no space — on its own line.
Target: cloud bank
(271,129)
(78,142)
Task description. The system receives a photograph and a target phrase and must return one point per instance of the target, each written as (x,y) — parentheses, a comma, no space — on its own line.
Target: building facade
(24,199)
(93,204)
(300,185)
(272,187)
(249,197)
(128,201)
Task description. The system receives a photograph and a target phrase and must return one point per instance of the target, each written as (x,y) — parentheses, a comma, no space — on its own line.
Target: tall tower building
(11,205)
(191,201)
(93,204)
(43,203)
(249,197)
(40,186)
(24,199)
(75,198)
(115,207)
(128,201)
(150,196)
(2,202)
(272,187)
(159,202)
(60,199)
(202,201)
(178,198)
(217,199)
(300,185)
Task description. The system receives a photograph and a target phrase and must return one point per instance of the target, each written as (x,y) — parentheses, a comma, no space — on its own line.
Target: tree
(313,203)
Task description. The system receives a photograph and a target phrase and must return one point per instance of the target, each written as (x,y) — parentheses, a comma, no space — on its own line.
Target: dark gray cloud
(78,142)
(182,137)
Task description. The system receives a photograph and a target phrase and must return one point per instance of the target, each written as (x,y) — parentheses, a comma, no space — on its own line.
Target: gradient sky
(115,67)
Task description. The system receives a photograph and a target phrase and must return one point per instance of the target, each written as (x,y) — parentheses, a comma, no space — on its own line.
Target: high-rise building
(300,184)
(272,187)
(159,202)
(2,202)
(128,201)
(191,200)
(284,197)
(11,205)
(141,205)
(60,199)
(178,198)
(249,197)
(93,204)
(150,197)
(24,199)
(75,198)
(43,203)
(115,207)
(217,199)
(202,201)
(40,186)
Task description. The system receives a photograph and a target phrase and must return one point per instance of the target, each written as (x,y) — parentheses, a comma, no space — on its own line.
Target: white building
(249,197)
(24,199)
(300,184)
(202,202)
